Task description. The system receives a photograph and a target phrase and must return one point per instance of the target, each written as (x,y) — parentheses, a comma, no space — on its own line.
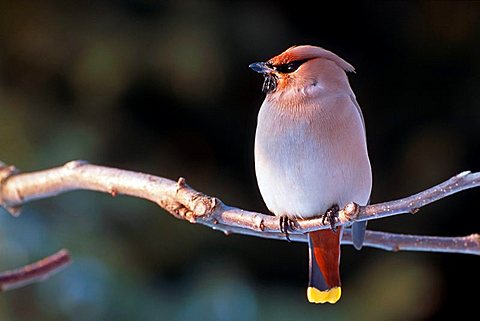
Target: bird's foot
(331,215)
(286,224)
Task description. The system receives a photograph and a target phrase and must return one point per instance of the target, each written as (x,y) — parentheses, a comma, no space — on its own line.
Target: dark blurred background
(164,88)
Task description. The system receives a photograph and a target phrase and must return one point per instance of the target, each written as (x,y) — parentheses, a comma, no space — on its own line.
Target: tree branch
(186,203)
(396,242)
(34,272)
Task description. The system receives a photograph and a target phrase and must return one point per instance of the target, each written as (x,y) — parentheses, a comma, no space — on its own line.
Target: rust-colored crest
(307,52)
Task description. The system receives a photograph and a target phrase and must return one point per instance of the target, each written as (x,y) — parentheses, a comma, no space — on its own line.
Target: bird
(311,155)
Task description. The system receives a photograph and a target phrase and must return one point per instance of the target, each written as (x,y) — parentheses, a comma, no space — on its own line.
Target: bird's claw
(331,215)
(286,224)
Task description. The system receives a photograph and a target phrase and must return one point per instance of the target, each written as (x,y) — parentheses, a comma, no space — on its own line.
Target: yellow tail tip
(332,295)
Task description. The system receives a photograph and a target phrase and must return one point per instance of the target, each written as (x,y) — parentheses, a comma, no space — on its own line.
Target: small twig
(34,272)
(186,203)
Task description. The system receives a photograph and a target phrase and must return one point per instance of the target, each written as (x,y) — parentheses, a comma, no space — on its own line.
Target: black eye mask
(288,67)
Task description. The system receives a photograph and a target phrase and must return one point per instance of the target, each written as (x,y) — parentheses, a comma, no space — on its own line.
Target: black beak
(271,79)
(260,67)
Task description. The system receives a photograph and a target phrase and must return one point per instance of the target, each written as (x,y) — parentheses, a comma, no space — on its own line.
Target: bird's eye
(290,67)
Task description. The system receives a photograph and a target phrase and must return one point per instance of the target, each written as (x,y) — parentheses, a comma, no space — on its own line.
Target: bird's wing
(359,110)
(359,228)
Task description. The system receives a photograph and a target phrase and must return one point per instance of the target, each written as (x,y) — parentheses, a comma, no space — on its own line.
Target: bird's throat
(270,83)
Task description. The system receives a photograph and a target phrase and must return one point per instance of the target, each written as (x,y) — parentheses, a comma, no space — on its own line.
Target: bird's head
(302,69)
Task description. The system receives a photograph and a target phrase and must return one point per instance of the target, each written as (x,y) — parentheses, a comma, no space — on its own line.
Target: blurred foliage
(163,87)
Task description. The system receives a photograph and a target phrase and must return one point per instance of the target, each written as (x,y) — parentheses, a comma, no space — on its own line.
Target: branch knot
(75,163)
(7,171)
(196,204)
(351,211)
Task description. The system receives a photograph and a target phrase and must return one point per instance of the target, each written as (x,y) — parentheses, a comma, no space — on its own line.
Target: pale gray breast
(311,159)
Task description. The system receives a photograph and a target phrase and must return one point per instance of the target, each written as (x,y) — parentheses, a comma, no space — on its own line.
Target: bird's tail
(324,252)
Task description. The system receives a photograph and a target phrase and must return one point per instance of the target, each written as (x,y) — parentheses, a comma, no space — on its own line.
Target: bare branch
(186,203)
(393,242)
(34,272)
